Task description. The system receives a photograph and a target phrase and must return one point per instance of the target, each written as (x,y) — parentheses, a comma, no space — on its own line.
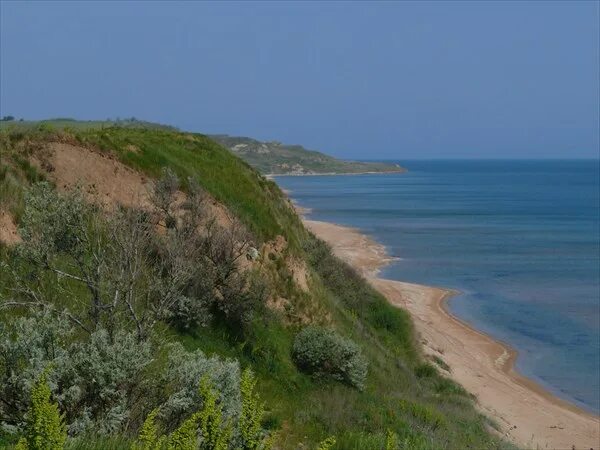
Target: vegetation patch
(277,158)
(423,414)
(325,353)
(129,309)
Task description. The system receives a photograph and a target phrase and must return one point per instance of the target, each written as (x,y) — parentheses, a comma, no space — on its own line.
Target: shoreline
(509,363)
(270,176)
(528,415)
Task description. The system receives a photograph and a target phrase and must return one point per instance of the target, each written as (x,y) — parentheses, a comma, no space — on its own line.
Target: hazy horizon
(385,81)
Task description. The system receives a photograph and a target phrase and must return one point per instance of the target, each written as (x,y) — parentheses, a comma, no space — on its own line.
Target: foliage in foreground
(45,426)
(207,428)
(103,386)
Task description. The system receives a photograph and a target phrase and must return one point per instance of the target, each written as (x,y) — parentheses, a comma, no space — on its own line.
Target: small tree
(45,425)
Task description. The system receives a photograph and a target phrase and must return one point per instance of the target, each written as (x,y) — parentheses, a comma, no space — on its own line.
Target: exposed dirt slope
(107,181)
(8,229)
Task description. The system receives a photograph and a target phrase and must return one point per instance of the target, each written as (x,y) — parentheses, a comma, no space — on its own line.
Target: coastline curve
(528,414)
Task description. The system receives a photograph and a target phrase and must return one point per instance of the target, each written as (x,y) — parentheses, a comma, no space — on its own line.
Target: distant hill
(277,158)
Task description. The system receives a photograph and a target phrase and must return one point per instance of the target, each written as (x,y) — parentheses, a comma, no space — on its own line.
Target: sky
(388,80)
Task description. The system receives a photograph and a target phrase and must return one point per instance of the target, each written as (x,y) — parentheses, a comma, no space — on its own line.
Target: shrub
(205,265)
(102,385)
(104,378)
(148,438)
(252,435)
(215,434)
(327,444)
(27,346)
(96,264)
(96,381)
(207,428)
(180,379)
(45,425)
(186,436)
(323,352)
(391,440)
(183,438)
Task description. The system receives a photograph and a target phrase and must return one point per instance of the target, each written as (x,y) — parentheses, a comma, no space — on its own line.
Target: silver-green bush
(324,353)
(181,376)
(95,380)
(105,385)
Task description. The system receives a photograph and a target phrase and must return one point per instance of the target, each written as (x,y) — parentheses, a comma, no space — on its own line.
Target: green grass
(256,201)
(403,393)
(440,362)
(93,442)
(15,174)
(67,124)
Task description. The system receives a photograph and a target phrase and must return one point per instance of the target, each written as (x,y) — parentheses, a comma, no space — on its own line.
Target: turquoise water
(519,239)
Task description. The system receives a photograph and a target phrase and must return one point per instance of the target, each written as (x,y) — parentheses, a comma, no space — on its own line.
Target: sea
(519,239)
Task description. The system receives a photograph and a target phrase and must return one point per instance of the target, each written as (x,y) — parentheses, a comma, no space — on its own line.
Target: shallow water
(519,239)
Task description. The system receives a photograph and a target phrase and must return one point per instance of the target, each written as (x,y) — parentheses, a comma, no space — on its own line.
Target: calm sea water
(519,239)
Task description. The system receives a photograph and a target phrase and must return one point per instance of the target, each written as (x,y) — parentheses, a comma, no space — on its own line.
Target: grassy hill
(278,158)
(66,123)
(404,402)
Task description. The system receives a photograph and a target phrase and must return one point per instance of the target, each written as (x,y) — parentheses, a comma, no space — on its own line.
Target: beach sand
(528,415)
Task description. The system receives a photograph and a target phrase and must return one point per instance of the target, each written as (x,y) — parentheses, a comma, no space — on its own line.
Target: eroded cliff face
(108,183)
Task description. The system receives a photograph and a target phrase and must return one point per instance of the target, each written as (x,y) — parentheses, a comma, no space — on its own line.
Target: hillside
(281,159)
(68,124)
(142,278)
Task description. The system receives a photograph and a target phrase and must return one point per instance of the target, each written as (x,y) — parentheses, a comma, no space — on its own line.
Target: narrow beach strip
(528,415)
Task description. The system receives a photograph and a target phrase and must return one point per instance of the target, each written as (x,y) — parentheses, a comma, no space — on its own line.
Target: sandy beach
(529,416)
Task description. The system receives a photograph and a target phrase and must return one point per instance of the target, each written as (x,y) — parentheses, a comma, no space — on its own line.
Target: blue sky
(360,80)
